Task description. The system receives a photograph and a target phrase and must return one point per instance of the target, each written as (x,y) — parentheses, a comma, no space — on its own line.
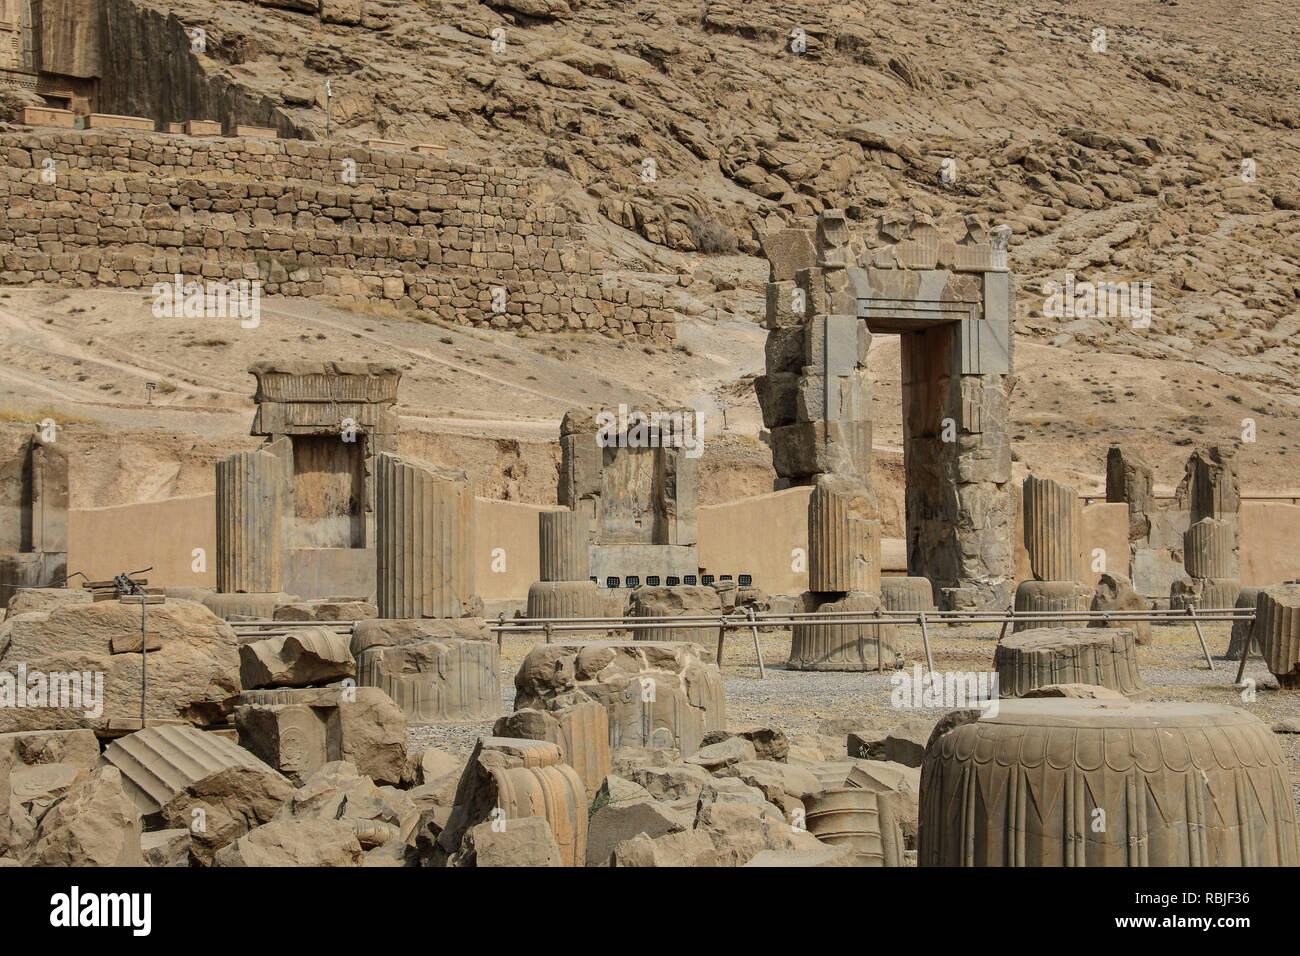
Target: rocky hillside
(680,129)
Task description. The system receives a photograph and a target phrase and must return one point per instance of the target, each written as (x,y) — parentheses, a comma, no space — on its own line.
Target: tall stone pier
(254,489)
(424,541)
(951,301)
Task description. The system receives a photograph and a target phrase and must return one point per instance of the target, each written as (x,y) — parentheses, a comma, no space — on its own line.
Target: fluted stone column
(1052,654)
(1209,549)
(424,555)
(1052,514)
(564,545)
(1277,630)
(253,487)
(843,537)
(1049,596)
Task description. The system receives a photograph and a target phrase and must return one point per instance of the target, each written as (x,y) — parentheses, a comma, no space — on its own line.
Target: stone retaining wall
(414,230)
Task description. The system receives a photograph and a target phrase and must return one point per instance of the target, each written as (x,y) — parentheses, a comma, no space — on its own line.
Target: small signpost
(149,387)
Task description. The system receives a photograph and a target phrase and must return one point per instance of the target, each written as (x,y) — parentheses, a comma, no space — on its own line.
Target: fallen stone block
(94,824)
(436,681)
(725,753)
(627,759)
(80,748)
(581,731)
(326,611)
(680,781)
(297,739)
(27,600)
(685,848)
(362,725)
(680,601)
(510,779)
(656,694)
(241,606)
(906,743)
(782,785)
(526,841)
(770,743)
(393,632)
(166,847)
(194,676)
(310,655)
(383,818)
(183,777)
(741,825)
(307,841)
(616,821)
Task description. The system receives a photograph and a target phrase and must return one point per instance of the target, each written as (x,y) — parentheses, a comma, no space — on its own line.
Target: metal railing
(747,618)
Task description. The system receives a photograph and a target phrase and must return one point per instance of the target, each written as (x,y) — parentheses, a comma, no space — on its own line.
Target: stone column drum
(1105,657)
(1052,514)
(563,539)
(843,538)
(252,489)
(823,646)
(1177,784)
(424,555)
(1277,631)
(1208,549)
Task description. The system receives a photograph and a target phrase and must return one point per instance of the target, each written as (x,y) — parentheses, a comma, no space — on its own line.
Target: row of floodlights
(673,580)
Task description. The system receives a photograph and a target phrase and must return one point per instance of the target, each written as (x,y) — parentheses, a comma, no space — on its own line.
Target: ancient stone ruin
(950,301)
(475,589)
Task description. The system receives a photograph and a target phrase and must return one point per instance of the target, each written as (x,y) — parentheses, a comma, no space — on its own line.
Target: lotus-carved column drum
(1065,782)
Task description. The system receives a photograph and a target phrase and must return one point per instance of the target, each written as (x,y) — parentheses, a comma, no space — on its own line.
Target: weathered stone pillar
(564,549)
(825,646)
(1277,631)
(253,490)
(424,557)
(1052,513)
(1130,480)
(1209,549)
(843,537)
(1209,485)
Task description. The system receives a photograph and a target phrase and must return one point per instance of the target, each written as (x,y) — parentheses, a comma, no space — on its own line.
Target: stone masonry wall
(417,231)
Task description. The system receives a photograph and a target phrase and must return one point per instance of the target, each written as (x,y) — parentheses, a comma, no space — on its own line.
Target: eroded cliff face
(68,37)
(151,66)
